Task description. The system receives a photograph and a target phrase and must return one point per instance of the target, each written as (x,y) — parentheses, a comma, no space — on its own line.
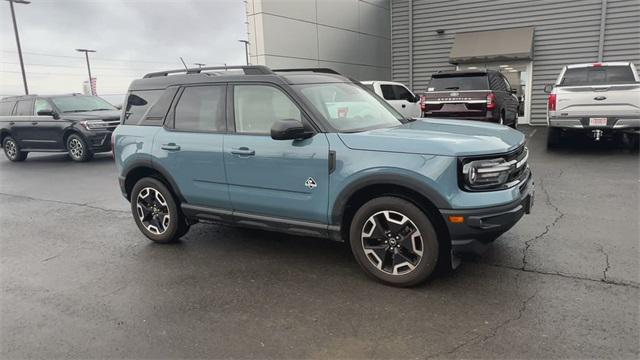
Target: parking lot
(80,280)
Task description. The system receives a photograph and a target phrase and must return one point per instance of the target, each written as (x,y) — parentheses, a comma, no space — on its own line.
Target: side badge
(310,183)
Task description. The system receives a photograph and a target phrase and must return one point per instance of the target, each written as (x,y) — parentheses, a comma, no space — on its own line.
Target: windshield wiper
(75,111)
(100,109)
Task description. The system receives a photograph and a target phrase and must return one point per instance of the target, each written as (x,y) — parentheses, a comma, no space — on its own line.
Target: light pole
(86,55)
(246,49)
(15,30)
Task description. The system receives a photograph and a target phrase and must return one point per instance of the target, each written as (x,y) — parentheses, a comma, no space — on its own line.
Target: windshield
(80,103)
(602,75)
(348,107)
(458,82)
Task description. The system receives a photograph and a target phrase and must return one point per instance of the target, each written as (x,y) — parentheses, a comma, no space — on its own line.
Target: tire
(501,120)
(78,149)
(514,124)
(12,150)
(384,252)
(553,138)
(156,212)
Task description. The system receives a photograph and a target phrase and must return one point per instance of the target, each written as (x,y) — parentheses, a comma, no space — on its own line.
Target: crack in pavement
(64,203)
(560,215)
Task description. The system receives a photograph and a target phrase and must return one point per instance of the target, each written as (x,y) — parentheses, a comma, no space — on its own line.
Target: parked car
(78,124)
(484,95)
(597,99)
(315,154)
(398,95)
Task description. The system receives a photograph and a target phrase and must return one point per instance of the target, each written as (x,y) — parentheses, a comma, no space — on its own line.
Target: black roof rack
(317,70)
(248,70)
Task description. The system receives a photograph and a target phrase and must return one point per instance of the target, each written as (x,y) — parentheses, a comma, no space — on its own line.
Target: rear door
(401,98)
(607,91)
(189,146)
(275,179)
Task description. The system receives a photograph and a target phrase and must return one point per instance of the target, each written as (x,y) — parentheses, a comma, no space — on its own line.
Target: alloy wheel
(153,210)
(392,242)
(76,149)
(11,149)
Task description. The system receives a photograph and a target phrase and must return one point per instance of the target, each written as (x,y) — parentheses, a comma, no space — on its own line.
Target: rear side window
(458,82)
(598,75)
(138,102)
(6,107)
(201,108)
(24,108)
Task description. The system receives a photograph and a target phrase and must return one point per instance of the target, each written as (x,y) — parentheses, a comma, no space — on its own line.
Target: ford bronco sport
(310,152)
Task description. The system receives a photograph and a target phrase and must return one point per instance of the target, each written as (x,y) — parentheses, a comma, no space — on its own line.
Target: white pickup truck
(398,96)
(601,99)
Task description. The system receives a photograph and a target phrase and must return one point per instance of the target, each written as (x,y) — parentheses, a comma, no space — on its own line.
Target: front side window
(387,92)
(348,107)
(24,108)
(42,104)
(201,108)
(81,103)
(257,107)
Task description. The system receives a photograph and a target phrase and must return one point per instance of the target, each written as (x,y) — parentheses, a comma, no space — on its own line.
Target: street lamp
(86,55)
(15,30)
(246,49)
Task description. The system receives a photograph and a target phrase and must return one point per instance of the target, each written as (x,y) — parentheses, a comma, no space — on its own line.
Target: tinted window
(156,114)
(458,82)
(257,107)
(602,75)
(41,104)
(388,93)
(81,103)
(201,108)
(137,104)
(402,93)
(24,107)
(6,108)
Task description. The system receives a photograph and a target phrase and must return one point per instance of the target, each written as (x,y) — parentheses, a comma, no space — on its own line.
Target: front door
(274,178)
(189,147)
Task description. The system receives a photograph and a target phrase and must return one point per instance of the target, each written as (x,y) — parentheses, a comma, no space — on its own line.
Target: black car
(484,95)
(78,124)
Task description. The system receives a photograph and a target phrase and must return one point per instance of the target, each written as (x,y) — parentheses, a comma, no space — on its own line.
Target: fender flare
(148,163)
(420,187)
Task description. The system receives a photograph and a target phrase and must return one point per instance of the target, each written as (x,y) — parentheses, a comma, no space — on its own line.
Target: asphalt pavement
(78,279)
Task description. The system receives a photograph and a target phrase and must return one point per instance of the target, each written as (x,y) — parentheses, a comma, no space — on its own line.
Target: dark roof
(163,79)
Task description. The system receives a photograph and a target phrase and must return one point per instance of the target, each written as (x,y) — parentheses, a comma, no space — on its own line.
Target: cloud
(131,38)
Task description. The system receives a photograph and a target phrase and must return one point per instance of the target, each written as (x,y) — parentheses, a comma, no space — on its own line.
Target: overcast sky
(131,37)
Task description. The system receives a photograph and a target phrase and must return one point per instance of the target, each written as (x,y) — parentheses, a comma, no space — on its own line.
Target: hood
(106,115)
(438,137)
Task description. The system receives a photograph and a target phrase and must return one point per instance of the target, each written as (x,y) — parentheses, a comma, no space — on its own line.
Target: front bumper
(582,123)
(98,141)
(483,225)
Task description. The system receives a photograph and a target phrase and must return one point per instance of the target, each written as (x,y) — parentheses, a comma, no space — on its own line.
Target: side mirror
(548,88)
(289,129)
(47,112)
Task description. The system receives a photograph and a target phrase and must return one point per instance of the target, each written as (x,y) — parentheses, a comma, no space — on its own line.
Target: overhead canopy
(495,45)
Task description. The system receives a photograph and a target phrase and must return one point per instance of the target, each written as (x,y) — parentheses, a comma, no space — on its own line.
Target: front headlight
(93,124)
(489,173)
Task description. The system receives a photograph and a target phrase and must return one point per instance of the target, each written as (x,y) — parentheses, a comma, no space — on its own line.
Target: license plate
(597,121)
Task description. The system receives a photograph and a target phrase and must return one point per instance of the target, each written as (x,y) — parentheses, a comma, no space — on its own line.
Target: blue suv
(312,153)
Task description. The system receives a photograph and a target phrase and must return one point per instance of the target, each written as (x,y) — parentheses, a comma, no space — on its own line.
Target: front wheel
(156,212)
(394,241)
(12,150)
(78,149)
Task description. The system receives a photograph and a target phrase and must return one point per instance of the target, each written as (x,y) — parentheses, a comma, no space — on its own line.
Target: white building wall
(349,36)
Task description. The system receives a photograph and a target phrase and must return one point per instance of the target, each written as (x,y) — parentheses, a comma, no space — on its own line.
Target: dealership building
(409,40)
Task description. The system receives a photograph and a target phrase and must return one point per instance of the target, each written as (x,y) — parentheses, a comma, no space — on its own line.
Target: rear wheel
(553,137)
(12,150)
(78,149)
(394,241)
(156,211)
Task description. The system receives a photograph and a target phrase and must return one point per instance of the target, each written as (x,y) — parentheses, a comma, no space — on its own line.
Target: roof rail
(248,70)
(317,70)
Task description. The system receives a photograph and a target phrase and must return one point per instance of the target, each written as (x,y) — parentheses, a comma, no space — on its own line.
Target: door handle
(243,151)
(404,105)
(170,147)
(34,123)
